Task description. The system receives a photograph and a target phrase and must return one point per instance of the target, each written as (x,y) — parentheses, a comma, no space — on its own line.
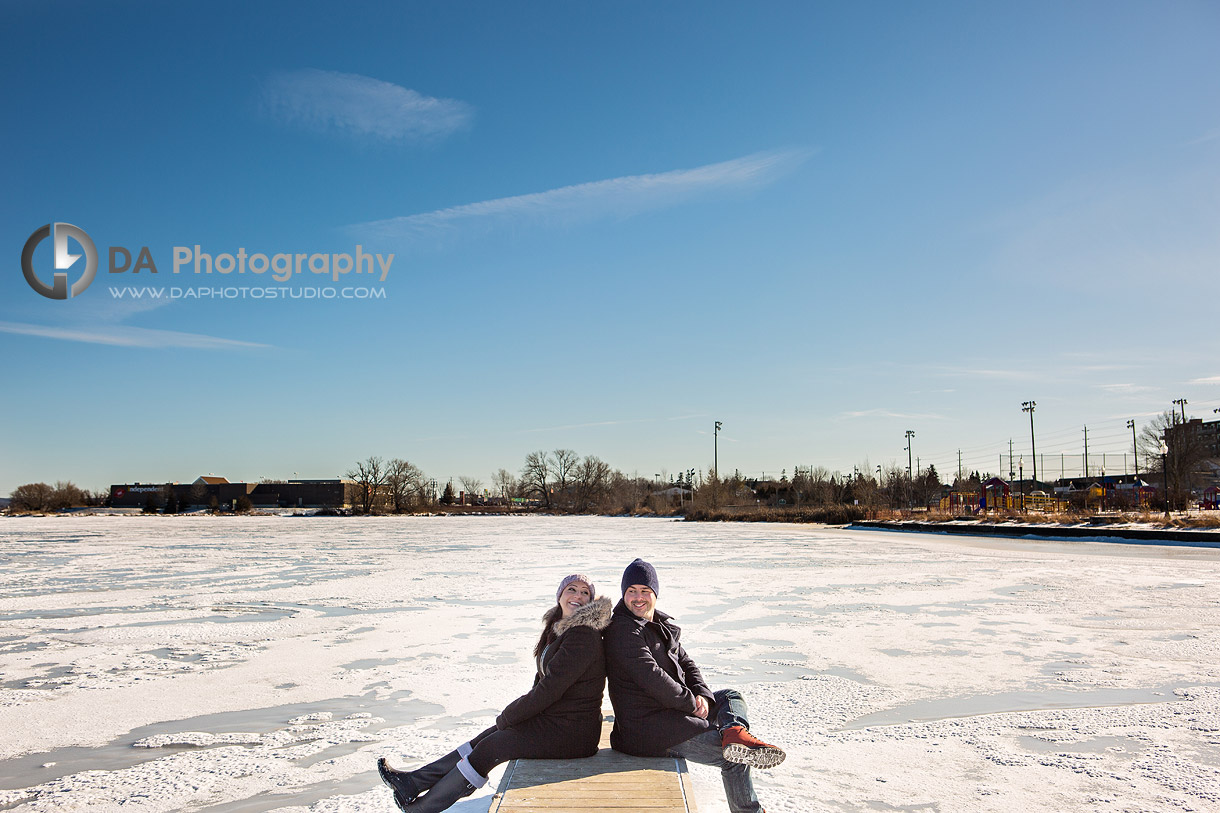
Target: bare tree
(471,485)
(404,484)
(1186,451)
(626,495)
(896,485)
(66,495)
(818,484)
(505,484)
(370,477)
(536,476)
(565,462)
(31,497)
(199,494)
(592,479)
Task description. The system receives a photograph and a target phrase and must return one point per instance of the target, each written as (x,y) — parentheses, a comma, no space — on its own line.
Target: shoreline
(1013,530)
(1121,533)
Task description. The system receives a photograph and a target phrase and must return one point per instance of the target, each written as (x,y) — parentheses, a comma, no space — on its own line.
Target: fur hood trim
(595,614)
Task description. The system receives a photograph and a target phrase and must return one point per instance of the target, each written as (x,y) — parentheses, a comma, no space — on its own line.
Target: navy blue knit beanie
(640,572)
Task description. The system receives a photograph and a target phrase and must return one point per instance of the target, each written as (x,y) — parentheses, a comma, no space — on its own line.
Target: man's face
(640,599)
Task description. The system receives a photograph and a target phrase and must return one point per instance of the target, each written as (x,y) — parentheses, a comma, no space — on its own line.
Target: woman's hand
(701,706)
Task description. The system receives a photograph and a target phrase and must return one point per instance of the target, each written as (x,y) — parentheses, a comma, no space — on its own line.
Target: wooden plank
(604,783)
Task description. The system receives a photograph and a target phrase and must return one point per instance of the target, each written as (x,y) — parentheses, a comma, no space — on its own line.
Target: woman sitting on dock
(559,718)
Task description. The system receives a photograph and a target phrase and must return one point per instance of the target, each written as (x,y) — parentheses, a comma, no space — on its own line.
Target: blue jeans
(730,710)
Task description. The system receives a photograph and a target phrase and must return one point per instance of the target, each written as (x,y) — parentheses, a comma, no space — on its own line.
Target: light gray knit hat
(576,577)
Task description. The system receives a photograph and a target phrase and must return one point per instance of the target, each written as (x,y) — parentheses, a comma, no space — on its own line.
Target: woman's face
(573,597)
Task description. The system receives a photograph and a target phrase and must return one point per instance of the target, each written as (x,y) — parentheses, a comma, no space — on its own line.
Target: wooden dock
(604,783)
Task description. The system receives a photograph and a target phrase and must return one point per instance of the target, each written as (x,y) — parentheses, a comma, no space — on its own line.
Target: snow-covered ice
(255,664)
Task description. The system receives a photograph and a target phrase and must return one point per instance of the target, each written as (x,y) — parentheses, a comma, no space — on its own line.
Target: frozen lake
(264,663)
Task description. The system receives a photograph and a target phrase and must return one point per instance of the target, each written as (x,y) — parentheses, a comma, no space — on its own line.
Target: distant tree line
(561,481)
(394,486)
(40,497)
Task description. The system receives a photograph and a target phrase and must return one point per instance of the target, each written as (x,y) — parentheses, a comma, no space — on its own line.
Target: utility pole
(716,450)
(1028,406)
(1182,403)
(1011,473)
(959,465)
(1086,451)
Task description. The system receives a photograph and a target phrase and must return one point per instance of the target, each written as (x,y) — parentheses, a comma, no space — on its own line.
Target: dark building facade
(335,494)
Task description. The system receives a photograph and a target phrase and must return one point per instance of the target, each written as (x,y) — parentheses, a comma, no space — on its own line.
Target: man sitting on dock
(663,707)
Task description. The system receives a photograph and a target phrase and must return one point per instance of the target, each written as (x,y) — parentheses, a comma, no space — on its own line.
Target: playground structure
(996,494)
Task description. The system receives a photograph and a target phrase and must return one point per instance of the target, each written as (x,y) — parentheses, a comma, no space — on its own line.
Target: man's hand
(701,707)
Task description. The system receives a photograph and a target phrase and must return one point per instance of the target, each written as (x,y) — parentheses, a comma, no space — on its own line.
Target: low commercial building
(212,491)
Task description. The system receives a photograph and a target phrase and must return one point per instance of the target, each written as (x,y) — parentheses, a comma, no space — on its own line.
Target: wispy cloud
(889,413)
(606,423)
(581,425)
(124,336)
(981,372)
(1211,379)
(614,197)
(1127,389)
(348,102)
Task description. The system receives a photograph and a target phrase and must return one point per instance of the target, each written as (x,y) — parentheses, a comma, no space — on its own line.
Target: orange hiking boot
(741,746)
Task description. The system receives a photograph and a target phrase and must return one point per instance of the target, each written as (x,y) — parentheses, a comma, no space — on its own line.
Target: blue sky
(612,225)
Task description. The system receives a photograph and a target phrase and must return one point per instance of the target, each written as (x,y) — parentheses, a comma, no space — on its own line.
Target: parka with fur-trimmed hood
(571,676)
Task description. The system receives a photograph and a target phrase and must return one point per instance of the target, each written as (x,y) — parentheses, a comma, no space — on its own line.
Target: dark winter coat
(653,684)
(568,688)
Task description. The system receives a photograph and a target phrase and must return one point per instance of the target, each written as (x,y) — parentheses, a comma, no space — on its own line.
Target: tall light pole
(1182,403)
(1135,450)
(1021,482)
(910,478)
(1165,473)
(716,450)
(1028,406)
(910,434)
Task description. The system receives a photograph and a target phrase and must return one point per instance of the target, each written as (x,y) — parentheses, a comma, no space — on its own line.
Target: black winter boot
(444,794)
(408,785)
